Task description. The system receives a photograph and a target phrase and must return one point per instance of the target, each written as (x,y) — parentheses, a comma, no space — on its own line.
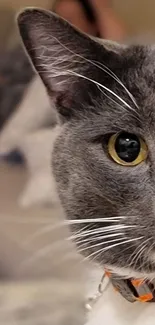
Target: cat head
(104,157)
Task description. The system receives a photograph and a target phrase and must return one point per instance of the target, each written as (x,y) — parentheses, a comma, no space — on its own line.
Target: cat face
(104,156)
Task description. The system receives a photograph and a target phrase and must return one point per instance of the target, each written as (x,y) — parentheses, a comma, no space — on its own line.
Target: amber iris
(127,149)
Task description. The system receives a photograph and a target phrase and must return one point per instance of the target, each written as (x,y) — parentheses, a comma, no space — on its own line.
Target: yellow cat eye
(127,149)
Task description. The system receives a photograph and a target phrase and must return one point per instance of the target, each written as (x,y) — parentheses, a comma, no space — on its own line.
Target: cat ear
(63,57)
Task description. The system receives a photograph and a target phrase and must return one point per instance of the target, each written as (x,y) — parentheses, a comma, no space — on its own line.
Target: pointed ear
(62,56)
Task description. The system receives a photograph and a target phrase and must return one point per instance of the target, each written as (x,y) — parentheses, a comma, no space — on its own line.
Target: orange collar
(133,289)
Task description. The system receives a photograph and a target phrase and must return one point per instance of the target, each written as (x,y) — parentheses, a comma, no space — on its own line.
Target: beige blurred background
(137,15)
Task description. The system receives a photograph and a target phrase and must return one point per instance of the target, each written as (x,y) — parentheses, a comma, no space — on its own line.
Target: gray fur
(89,183)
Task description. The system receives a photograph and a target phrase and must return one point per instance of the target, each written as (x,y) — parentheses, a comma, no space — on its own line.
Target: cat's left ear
(64,57)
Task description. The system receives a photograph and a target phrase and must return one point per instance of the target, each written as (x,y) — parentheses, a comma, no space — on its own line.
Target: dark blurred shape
(15,74)
(88,10)
(14,157)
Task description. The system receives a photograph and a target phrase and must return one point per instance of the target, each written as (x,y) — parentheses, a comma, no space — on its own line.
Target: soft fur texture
(100,89)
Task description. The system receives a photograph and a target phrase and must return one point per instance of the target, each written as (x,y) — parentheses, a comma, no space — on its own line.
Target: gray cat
(91,85)
(103,158)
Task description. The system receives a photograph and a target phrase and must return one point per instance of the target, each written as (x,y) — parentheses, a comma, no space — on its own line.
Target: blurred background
(137,15)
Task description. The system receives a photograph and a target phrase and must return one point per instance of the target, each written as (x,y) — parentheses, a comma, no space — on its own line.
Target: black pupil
(127,146)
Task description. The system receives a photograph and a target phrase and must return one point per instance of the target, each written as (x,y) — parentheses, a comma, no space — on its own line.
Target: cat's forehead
(134,65)
(134,58)
(136,70)
(139,60)
(129,102)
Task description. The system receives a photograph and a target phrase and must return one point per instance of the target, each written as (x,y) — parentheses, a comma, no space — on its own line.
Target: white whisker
(112,246)
(100,244)
(100,230)
(115,102)
(42,253)
(79,231)
(110,98)
(50,228)
(98,84)
(58,72)
(48,249)
(98,238)
(136,252)
(113,75)
(93,220)
(9,219)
